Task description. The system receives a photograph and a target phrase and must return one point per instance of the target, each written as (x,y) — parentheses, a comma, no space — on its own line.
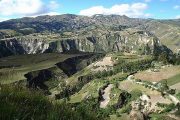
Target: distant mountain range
(99,33)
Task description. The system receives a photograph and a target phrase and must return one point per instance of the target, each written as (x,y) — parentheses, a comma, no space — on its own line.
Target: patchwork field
(176,86)
(155,96)
(173,80)
(164,73)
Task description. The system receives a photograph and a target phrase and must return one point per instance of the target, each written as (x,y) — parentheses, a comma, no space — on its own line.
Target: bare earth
(154,95)
(164,73)
(158,98)
(106,97)
(103,64)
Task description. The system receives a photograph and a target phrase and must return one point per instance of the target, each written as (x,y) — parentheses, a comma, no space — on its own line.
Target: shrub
(138,80)
(135,94)
(126,109)
(167,107)
(171,91)
(178,95)
(20,103)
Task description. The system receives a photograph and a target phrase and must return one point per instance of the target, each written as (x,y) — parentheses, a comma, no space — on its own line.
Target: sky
(158,9)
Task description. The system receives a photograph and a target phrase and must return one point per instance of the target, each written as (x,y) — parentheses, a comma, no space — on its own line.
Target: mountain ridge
(75,25)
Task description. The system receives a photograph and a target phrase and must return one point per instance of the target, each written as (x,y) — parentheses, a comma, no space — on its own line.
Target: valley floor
(121,89)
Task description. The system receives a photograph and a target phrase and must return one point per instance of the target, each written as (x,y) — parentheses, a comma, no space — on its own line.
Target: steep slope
(51,77)
(86,40)
(13,68)
(168,32)
(99,33)
(47,23)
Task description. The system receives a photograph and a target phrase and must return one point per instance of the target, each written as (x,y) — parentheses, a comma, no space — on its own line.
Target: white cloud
(53,13)
(25,7)
(3,19)
(53,5)
(177,17)
(176,7)
(131,10)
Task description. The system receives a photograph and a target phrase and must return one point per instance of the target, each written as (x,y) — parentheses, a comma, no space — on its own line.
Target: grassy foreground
(17,103)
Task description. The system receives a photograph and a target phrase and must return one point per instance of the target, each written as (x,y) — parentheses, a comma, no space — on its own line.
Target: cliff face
(167,31)
(46,79)
(16,46)
(99,33)
(130,40)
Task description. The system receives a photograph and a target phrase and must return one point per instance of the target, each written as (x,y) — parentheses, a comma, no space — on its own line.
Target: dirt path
(106,97)
(174,99)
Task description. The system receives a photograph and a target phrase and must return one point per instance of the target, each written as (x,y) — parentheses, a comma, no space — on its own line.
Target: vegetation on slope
(20,103)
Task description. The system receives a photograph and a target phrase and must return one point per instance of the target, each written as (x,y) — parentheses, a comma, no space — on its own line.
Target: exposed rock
(97,41)
(123,99)
(136,115)
(104,95)
(166,30)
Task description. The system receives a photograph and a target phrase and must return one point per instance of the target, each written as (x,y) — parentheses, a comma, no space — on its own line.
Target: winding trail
(106,96)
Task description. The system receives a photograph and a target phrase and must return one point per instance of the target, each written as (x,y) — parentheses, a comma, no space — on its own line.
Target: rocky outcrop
(132,41)
(104,25)
(123,99)
(18,46)
(104,95)
(70,45)
(101,92)
(137,115)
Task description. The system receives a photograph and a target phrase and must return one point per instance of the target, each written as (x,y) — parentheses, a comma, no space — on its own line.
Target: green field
(13,68)
(173,80)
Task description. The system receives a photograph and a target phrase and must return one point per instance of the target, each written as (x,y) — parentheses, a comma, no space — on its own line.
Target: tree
(164,86)
(163,57)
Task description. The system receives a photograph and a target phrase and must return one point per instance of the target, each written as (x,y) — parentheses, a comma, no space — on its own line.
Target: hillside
(104,67)
(77,24)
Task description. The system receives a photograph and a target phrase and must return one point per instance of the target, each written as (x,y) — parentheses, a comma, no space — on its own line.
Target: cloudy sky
(159,9)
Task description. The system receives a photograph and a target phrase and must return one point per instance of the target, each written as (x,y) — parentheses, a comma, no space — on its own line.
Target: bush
(163,57)
(126,67)
(171,91)
(167,107)
(135,94)
(146,86)
(164,86)
(178,95)
(23,104)
(138,80)
(126,109)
